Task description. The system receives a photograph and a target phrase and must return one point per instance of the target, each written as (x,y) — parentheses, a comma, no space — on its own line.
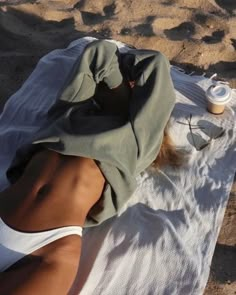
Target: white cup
(218,96)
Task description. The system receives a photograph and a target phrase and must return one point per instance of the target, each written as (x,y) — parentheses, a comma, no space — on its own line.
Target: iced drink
(218,96)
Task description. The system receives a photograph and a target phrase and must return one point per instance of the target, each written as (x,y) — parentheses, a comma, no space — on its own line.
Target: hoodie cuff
(114,79)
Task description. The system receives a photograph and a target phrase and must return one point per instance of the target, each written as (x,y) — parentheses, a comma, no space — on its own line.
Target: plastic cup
(217,97)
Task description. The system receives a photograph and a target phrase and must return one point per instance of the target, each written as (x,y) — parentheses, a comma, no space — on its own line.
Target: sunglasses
(196,126)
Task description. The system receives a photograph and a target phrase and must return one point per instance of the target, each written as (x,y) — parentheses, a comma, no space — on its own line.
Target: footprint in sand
(16,2)
(233,43)
(91,18)
(228,5)
(181,32)
(216,37)
(144,29)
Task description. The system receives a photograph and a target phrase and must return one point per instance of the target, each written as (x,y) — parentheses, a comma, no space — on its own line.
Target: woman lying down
(107,126)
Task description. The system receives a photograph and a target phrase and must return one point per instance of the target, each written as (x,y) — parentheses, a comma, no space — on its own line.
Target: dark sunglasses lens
(203,146)
(220,134)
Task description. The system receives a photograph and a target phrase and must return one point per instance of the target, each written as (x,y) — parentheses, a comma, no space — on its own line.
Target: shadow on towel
(138,227)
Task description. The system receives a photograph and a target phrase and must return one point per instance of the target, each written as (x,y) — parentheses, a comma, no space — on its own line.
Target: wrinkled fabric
(122,146)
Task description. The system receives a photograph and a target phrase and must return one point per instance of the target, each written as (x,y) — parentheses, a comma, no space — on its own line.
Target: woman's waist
(50,205)
(54,181)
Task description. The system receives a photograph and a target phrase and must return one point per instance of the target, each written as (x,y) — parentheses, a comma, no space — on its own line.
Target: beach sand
(197,35)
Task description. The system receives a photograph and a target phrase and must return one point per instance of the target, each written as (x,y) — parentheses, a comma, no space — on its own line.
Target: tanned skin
(54,191)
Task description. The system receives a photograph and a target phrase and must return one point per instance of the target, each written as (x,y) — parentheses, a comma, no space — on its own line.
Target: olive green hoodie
(122,145)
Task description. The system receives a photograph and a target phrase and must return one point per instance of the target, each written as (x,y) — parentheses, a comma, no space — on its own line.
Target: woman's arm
(152,101)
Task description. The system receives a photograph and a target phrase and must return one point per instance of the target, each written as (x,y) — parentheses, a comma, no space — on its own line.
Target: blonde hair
(168,154)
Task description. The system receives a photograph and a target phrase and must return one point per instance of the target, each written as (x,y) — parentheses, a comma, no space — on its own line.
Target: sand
(198,35)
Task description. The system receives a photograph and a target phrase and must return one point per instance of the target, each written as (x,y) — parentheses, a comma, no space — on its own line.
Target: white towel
(163,239)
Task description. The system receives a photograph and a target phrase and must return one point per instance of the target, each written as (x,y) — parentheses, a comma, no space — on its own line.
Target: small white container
(218,96)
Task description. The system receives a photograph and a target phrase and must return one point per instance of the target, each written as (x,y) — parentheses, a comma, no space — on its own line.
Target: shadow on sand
(25,38)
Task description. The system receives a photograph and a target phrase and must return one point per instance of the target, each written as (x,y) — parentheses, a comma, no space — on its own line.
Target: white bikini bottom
(14,245)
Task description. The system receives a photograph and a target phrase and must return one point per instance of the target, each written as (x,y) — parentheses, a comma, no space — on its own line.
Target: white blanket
(163,239)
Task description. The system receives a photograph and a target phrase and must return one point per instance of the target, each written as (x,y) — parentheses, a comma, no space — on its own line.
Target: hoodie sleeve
(99,62)
(152,102)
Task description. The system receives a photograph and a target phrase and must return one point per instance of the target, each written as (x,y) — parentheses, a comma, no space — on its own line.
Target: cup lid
(219,94)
